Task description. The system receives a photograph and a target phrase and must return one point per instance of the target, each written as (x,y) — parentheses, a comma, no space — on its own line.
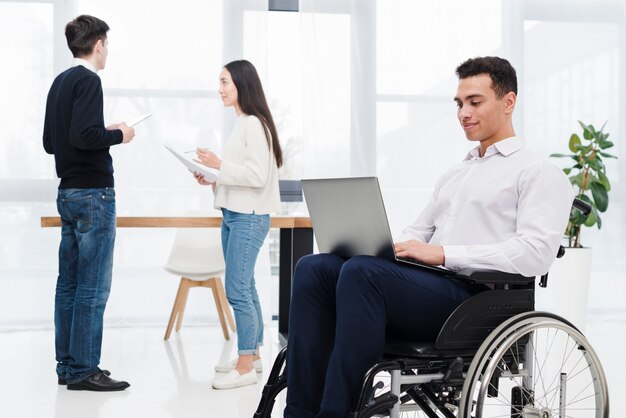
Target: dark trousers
(341,312)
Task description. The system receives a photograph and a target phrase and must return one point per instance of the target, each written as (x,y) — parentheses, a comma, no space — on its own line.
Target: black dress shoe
(99,382)
(64,382)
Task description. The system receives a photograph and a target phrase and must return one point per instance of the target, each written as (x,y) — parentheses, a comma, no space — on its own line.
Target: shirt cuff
(456,257)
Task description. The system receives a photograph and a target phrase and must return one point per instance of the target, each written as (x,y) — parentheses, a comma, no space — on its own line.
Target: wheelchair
(494,357)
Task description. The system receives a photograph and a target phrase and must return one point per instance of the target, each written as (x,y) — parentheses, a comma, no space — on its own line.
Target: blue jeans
(242,237)
(85,269)
(341,313)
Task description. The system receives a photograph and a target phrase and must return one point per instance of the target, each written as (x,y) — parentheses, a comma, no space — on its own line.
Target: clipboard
(186,158)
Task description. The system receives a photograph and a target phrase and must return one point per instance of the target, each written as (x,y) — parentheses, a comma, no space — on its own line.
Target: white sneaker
(228,366)
(235,380)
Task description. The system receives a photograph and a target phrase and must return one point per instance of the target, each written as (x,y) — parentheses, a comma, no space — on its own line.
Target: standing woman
(246,192)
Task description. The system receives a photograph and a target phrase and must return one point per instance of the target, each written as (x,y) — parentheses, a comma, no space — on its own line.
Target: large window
(575,71)
(419,45)
(305,60)
(356,88)
(25,75)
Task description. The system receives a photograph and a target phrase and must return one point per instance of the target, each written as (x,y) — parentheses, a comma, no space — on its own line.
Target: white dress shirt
(248,179)
(506,211)
(86,64)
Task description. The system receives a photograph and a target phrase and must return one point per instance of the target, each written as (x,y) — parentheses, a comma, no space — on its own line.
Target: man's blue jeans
(340,315)
(242,237)
(84,282)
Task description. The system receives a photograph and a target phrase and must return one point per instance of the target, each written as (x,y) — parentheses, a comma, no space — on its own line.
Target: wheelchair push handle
(582,206)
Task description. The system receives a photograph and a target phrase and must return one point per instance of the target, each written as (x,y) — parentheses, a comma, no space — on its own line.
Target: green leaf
(586,131)
(600,196)
(573,141)
(602,178)
(577,180)
(596,164)
(560,155)
(567,171)
(591,219)
(606,155)
(606,144)
(577,218)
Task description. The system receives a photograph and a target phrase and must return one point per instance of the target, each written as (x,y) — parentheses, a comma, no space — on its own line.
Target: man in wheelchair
(502,208)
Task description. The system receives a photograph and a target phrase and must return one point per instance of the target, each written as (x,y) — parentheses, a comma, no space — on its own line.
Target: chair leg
(227,310)
(181,308)
(175,309)
(219,306)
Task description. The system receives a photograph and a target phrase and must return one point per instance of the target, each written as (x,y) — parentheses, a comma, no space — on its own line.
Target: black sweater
(74,131)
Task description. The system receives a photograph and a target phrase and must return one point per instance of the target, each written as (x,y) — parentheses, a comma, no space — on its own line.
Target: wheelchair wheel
(536,365)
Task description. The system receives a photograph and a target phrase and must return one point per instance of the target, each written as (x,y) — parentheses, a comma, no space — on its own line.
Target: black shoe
(99,382)
(64,382)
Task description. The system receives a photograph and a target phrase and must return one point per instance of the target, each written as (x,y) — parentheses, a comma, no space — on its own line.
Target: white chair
(196,257)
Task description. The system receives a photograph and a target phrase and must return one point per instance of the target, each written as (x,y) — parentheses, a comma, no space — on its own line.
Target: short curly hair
(502,73)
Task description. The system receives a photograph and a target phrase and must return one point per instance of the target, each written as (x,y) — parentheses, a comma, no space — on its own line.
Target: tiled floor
(173,379)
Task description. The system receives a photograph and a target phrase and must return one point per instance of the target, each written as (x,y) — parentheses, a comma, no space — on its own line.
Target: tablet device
(138,119)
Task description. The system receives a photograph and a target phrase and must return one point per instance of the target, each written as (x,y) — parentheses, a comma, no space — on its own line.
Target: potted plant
(588,176)
(569,275)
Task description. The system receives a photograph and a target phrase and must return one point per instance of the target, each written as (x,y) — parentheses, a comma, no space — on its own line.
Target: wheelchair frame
(457,374)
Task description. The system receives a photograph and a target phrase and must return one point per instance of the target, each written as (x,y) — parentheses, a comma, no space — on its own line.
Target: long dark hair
(252,101)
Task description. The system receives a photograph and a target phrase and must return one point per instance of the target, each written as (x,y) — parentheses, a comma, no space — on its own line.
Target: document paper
(186,157)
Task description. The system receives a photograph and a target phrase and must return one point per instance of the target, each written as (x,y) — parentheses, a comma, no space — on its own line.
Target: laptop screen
(348,216)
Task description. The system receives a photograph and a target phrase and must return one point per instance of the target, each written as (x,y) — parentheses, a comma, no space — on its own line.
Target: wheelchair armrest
(492,277)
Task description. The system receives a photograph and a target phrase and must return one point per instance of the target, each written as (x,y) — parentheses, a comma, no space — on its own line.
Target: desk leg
(294,243)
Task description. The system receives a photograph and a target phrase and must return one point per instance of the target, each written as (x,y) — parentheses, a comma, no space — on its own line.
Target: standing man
(74,132)
(502,208)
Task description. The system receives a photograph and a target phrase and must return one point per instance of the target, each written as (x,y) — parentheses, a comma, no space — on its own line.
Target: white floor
(173,379)
(168,379)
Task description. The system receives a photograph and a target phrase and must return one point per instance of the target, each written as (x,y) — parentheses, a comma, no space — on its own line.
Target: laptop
(349,219)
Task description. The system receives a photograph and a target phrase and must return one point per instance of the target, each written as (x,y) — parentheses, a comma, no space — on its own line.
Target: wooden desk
(296,240)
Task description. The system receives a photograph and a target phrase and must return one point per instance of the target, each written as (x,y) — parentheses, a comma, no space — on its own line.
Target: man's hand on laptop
(420,251)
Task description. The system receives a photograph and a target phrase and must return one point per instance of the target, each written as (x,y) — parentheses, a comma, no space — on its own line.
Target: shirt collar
(505,147)
(86,64)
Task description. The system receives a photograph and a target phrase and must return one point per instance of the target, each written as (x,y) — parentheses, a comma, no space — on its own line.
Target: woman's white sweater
(248,179)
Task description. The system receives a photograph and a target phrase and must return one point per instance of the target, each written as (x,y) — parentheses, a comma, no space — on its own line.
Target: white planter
(568,287)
